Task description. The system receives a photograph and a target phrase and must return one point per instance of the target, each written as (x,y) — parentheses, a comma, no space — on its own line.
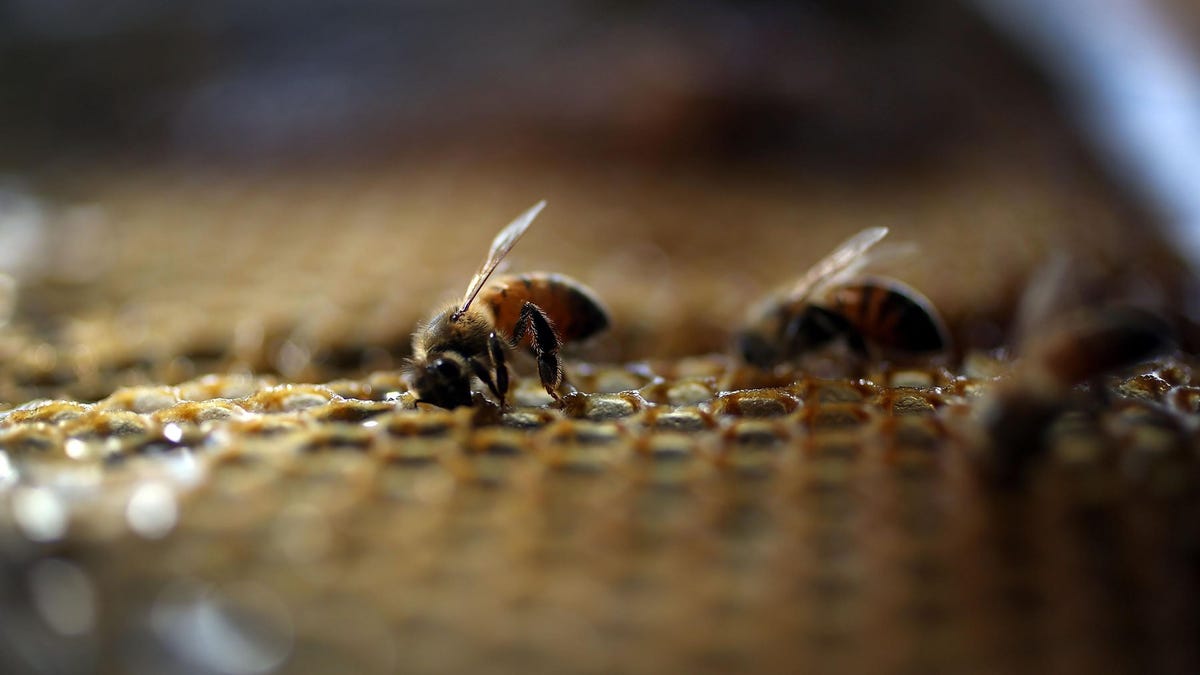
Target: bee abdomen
(573,310)
(891,315)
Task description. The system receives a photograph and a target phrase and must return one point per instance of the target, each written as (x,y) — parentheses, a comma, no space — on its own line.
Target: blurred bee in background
(1073,327)
(876,316)
(468,339)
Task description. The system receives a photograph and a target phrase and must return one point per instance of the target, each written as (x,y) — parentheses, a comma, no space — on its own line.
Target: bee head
(444,381)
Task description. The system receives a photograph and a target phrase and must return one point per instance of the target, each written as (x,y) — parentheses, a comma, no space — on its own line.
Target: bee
(874,315)
(468,339)
(1071,330)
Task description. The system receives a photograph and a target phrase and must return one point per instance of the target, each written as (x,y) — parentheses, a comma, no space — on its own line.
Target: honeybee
(875,315)
(1073,328)
(468,339)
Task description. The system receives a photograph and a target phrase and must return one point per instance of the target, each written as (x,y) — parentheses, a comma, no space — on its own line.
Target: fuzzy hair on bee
(468,340)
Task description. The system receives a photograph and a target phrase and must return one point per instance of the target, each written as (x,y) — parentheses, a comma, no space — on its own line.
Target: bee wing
(501,245)
(845,261)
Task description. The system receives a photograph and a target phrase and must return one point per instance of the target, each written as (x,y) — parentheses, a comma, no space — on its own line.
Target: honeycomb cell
(140,399)
(582,432)
(289,398)
(683,391)
(350,410)
(32,441)
(489,456)
(756,403)
(910,403)
(668,446)
(413,438)
(581,445)
(685,419)
(199,412)
(836,417)
(691,392)
(496,443)
(755,434)
(752,446)
(109,424)
(599,407)
(405,424)
(263,426)
(913,433)
(1146,387)
(50,412)
(527,418)
(337,437)
(834,391)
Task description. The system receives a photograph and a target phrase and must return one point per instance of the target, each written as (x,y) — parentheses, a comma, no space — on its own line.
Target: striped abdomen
(890,315)
(575,313)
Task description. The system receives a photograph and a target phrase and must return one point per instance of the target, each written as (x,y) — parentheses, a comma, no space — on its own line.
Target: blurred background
(230,178)
(276,191)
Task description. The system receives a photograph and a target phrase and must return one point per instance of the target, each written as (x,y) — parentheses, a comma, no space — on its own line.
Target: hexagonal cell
(598,407)
(916,432)
(668,446)
(140,399)
(681,391)
(834,417)
(288,398)
(488,455)
(903,402)
(350,411)
(581,432)
(1146,387)
(497,443)
(198,412)
(527,418)
(50,412)
(837,391)
(33,440)
(686,419)
(338,437)
(756,403)
(758,434)
(107,424)
(425,424)
(580,445)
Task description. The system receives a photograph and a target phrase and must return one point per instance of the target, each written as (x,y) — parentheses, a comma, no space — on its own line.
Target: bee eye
(445,367)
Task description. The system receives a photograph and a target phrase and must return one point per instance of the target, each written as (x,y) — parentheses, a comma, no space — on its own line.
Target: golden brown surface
(663,527)
(195,499)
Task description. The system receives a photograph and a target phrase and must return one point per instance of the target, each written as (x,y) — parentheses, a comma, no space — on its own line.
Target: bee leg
(483,374)
(496,350)
(545,346)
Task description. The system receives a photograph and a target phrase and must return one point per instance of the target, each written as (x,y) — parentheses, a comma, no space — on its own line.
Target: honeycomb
(211,462)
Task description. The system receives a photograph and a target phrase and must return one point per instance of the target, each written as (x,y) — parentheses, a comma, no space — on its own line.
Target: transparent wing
(845,261)
(501,245)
